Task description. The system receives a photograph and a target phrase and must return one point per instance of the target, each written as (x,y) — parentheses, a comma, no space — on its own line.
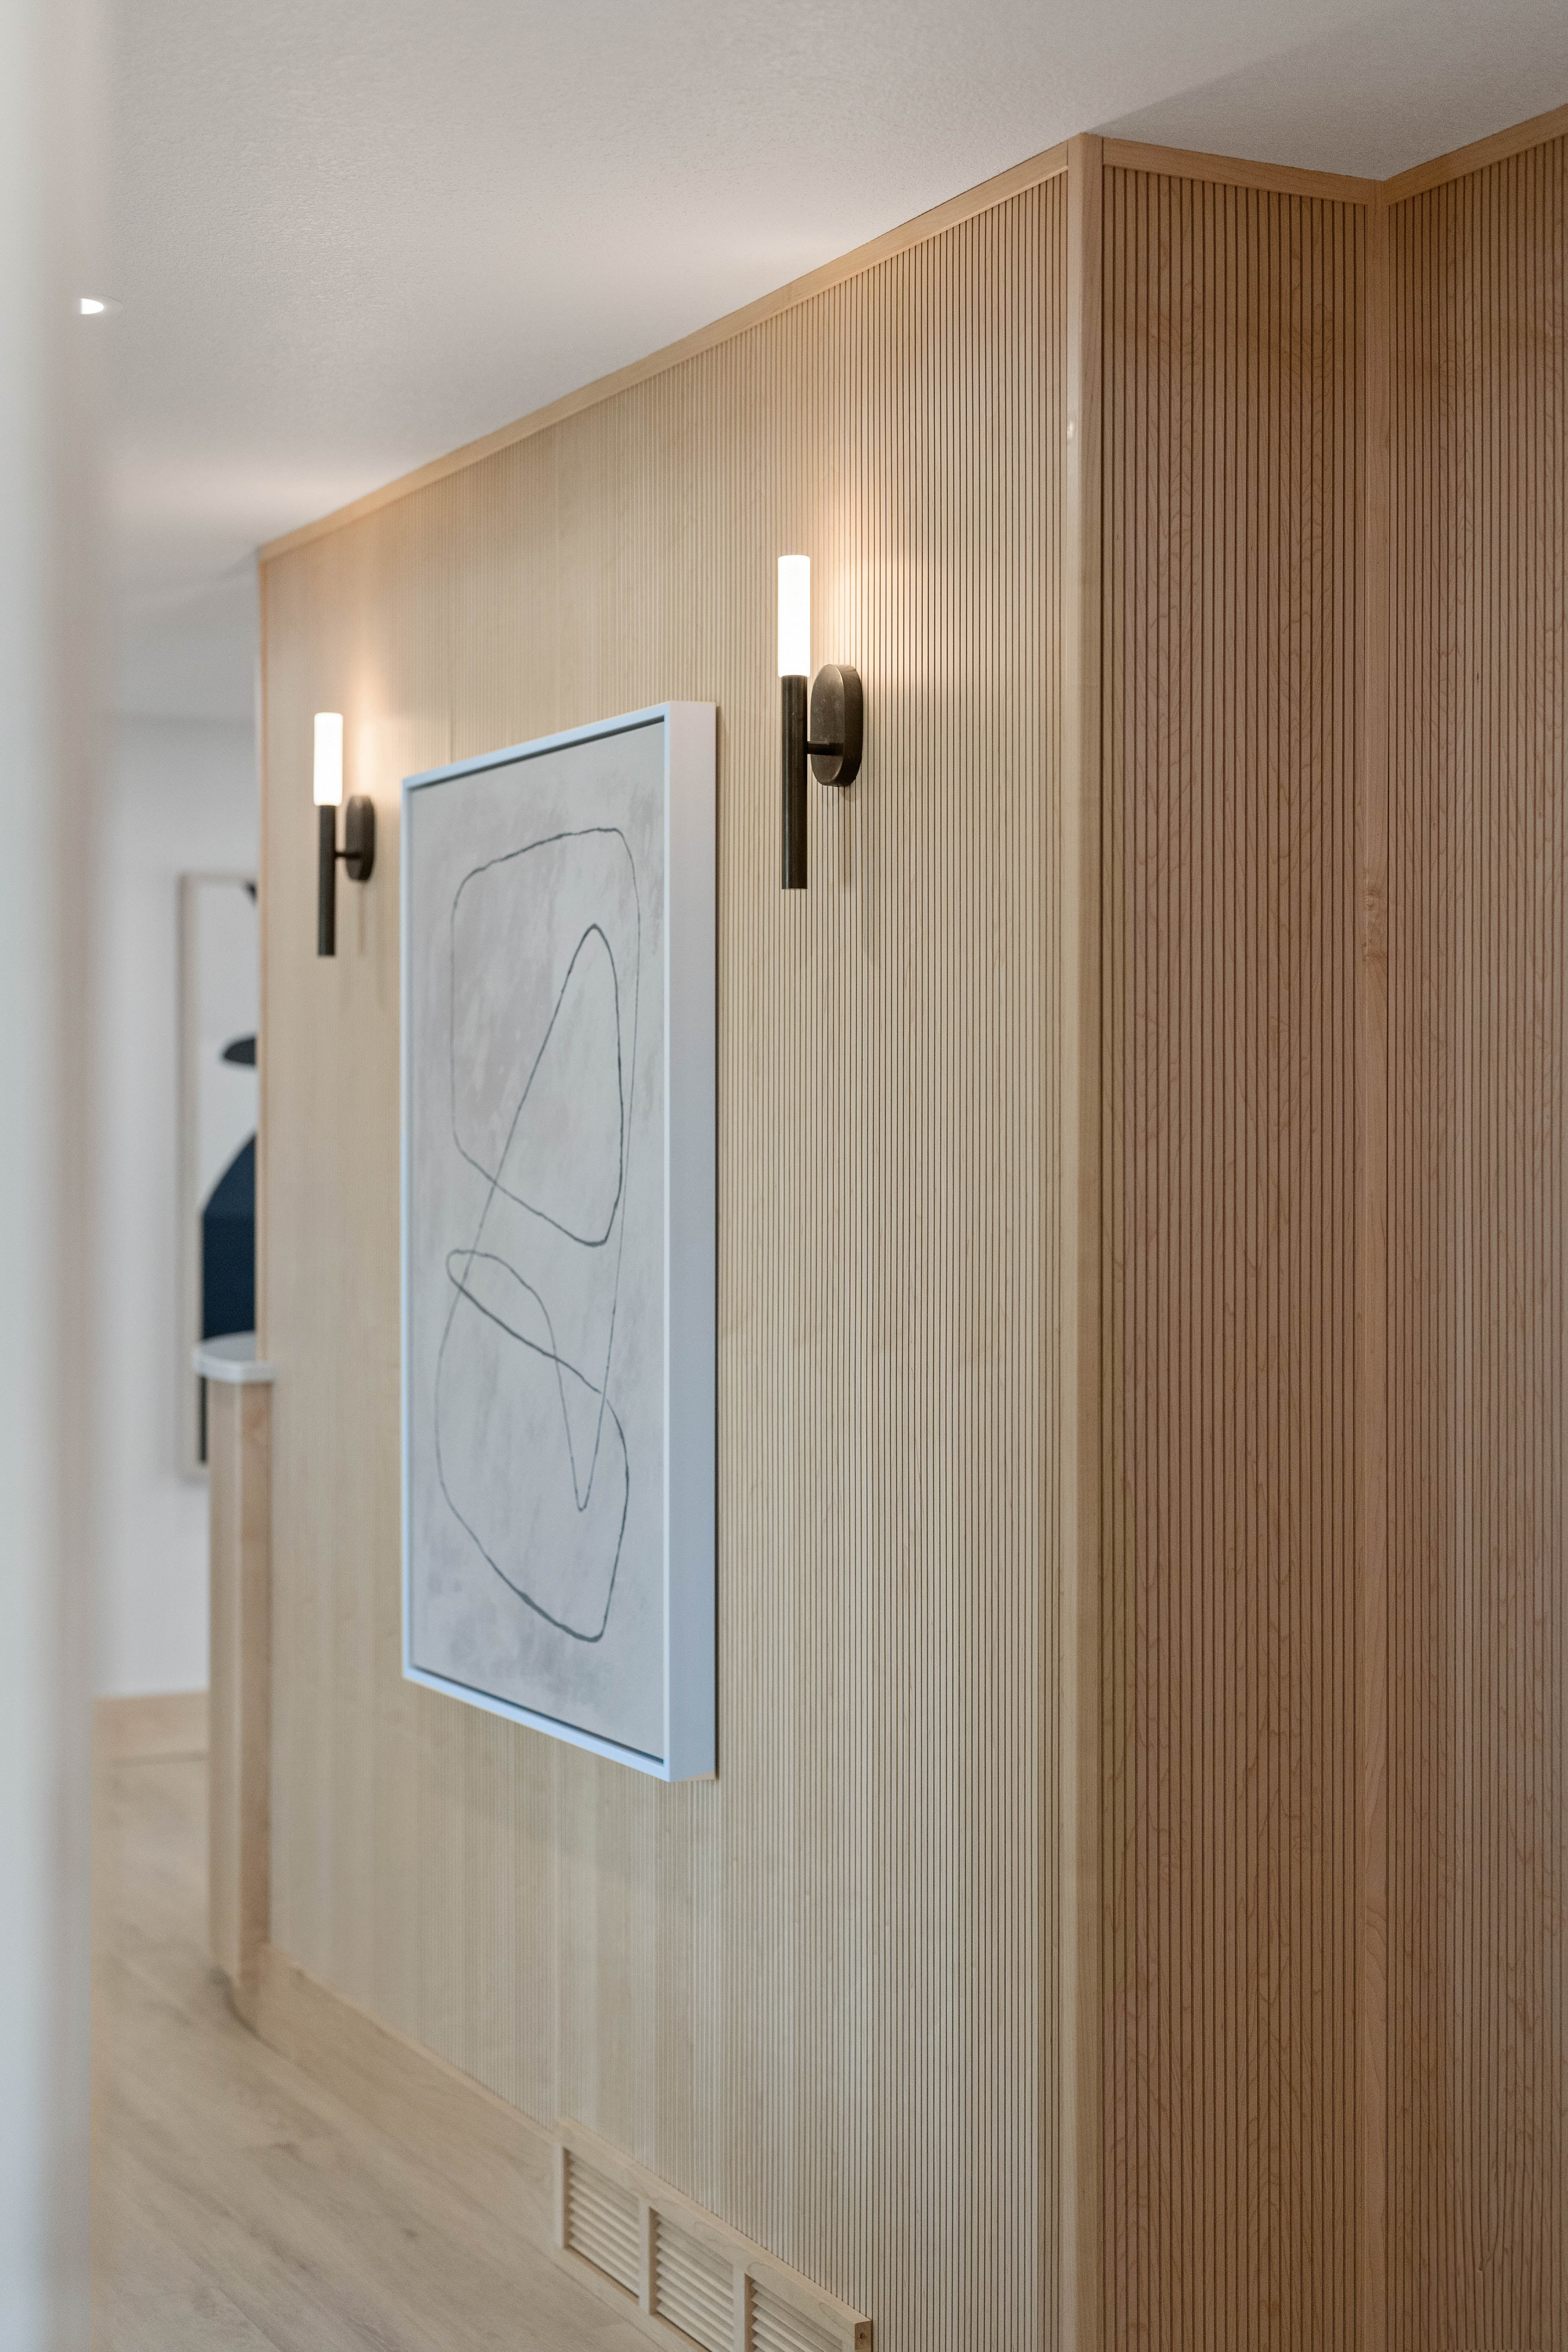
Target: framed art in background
(220,982)
(559,1264)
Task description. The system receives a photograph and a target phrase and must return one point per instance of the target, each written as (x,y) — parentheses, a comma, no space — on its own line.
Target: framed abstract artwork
(559,1266)
(219,995)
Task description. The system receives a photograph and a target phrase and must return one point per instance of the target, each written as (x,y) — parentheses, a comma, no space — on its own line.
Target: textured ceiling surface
(348,235)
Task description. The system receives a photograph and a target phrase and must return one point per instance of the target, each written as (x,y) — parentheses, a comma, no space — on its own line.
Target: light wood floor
(237,2204)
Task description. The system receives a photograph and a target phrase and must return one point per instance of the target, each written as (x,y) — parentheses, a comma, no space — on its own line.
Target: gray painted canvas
(535,1234)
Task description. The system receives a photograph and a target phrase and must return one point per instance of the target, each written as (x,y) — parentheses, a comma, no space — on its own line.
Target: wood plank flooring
(238,2205)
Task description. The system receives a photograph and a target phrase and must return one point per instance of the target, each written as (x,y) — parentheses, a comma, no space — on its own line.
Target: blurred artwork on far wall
(219,996)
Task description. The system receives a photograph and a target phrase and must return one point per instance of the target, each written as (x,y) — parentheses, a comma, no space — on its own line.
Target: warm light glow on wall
(329,758)
(795,617)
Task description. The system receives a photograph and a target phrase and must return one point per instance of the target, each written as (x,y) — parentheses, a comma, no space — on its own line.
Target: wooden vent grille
(776,2326)
(685,2277)
(693,2288)
(602,2225)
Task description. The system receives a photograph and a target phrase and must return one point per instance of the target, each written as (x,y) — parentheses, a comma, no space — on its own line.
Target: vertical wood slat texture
(818,1995)
(1479,1272)
(1248,1072)
(1233,665)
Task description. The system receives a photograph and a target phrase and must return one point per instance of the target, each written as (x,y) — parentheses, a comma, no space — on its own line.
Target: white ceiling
(348,235)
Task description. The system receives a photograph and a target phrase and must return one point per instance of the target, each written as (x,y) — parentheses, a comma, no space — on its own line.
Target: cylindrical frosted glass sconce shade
(795,617)
(329,758)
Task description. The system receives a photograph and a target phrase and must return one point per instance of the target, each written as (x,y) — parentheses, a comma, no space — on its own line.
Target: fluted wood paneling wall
(1479,1263)
(818,1994)
(823,1994)
(1232,666)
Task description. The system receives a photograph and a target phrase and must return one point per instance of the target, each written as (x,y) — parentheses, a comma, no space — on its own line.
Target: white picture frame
(502,860)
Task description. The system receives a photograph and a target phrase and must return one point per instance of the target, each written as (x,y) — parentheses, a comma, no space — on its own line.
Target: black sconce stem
(358,854)
(327,881)
(793,705)
(836,716)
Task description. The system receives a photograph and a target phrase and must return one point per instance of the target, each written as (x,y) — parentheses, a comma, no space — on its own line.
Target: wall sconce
(832,739)
(358,852)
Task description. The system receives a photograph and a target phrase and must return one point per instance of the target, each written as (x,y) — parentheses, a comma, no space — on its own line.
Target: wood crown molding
(1121,155)
(925,226)
(1537,132)
(1237,171)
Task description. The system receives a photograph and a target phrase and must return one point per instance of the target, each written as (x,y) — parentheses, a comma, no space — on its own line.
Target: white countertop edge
(231,1359)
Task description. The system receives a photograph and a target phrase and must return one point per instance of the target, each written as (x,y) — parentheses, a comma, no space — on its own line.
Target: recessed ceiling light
(91,306)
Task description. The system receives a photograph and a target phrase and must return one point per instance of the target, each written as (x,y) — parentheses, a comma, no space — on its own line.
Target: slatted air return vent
(693,2289)
(776,2326)
(684,2276)
(603,2225)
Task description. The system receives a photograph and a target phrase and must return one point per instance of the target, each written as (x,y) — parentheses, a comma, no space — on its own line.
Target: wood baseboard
(494,2154)
(138,1730)
(500,2160)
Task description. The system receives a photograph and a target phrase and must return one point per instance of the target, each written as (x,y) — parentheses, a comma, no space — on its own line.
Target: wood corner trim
(1080,2118)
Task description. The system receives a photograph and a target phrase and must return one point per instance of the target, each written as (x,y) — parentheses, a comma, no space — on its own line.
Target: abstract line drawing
(529,1451)
(558,922)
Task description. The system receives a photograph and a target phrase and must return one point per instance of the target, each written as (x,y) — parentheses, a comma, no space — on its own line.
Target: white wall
(180,798)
